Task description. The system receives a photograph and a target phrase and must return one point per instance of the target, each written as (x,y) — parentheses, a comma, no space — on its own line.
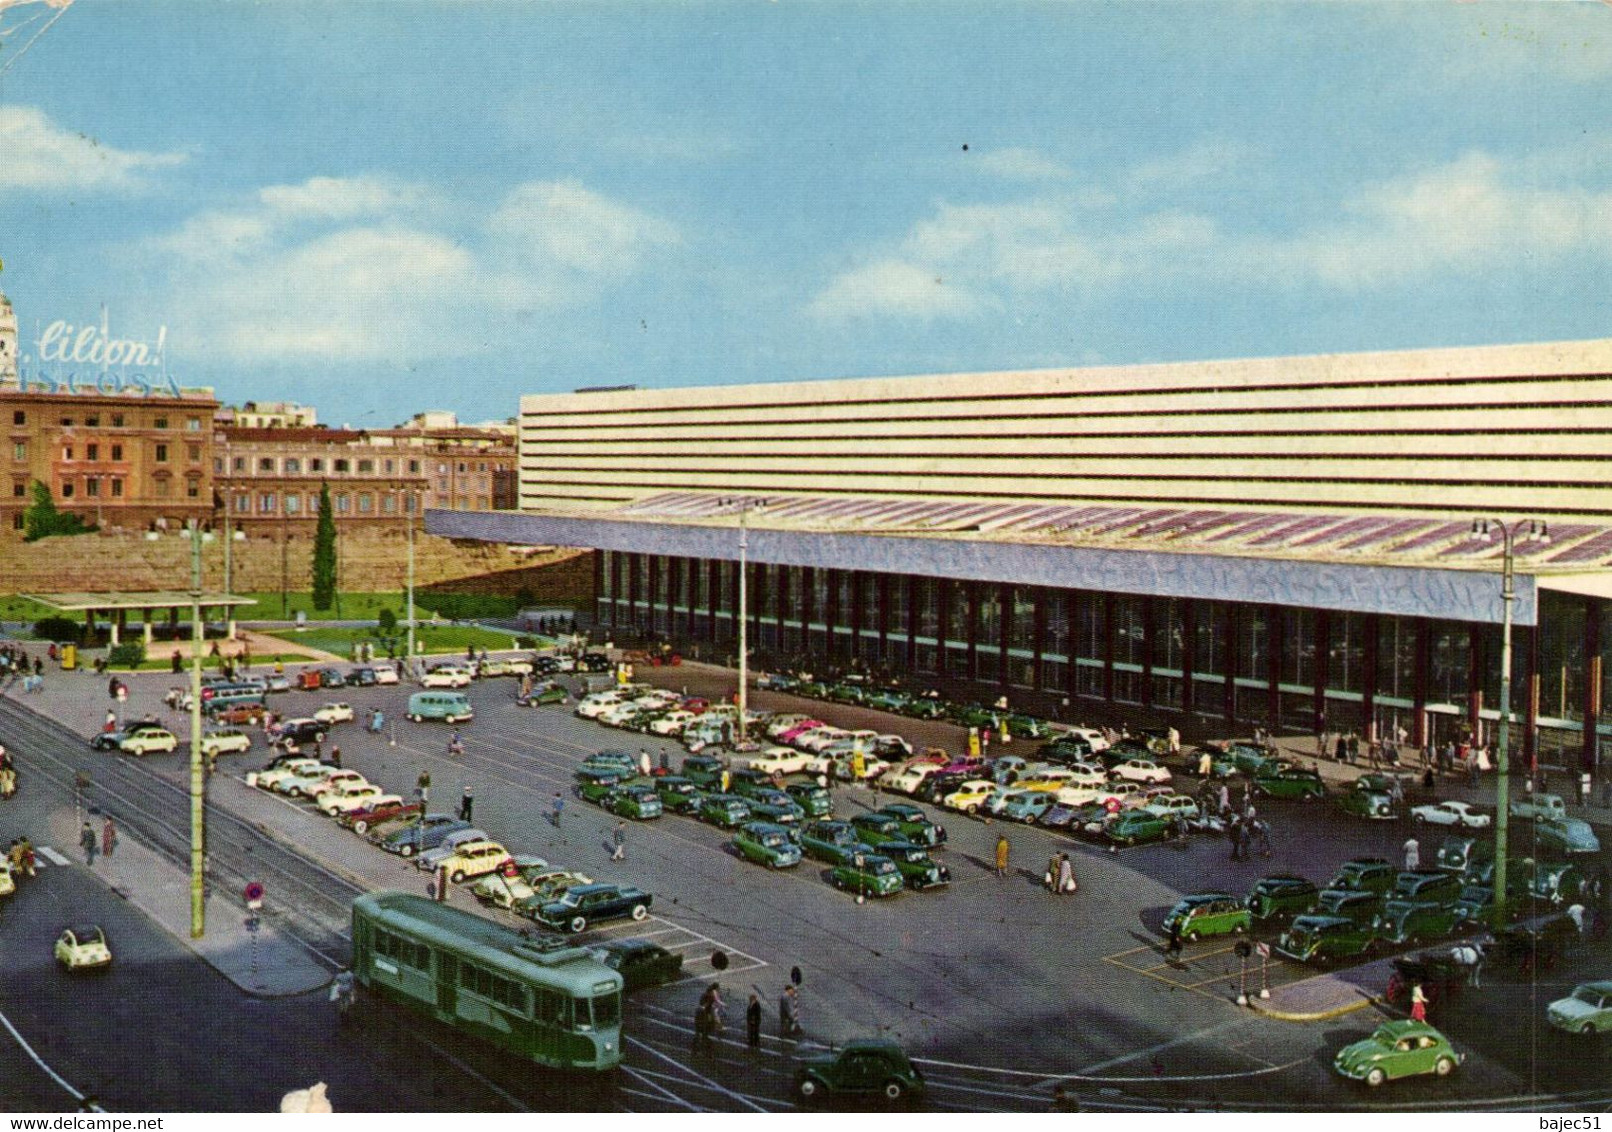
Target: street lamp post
(1531,531)
(744,619)
(198,838)
(413,506)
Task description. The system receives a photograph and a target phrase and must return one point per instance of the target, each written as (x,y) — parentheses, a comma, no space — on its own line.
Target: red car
(795,732)
(359,821)
(696,704)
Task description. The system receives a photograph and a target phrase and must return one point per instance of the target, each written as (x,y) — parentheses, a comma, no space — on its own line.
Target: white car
(229,741)
(446,676)
(1095,738)
(1174,805)
(431,858)
(272,778)
(385,674)
(334,713)
(623,714)
(780,760)
(311,783)
(1130,795)
(1458,814)
(350,796)
(820,738)
(492,666)
(595,705)
(518,666)
(144,742)
(673,722)
(909,778)
(1140,770)
(871,767)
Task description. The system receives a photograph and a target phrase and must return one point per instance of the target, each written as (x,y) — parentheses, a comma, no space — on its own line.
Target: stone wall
(367,562)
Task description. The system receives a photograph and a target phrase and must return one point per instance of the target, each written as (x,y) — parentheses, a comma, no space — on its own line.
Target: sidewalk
(1326,996)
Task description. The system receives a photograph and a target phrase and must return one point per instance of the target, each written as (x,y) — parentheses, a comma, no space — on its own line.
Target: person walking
(644,765)
(1002,851)
(109,838)
(1172,950)
(86,838)
(1413,854)
(1234,831)
(1206,763)
(556,808)
(1050,879)
(752,1022)
(335,756)
(618,837)
(467,805)
(1066,875)
(1418,1009)
(1472,769)
(789,1013)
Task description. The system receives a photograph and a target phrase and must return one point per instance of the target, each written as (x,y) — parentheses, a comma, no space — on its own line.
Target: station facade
(1285,542)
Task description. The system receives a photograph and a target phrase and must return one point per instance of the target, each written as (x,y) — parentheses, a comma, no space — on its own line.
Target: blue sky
(385,207)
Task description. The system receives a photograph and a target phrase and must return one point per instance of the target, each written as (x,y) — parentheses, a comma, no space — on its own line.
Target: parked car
(677,794)
(334,713)
(1322,939)
(422,836)
(766,844)
(1365,874)
(874,828)
(83,949)
(145,742)
(1588,1010)
(597,784)
(638,801)
(591,903)
(918,869)
(915,824)
(868,874)
(1426,886)
(1401,1048)
(725,810)
(1358,906)
(1140,770)
(1405,921)
(1460,854)
(473,859)
(445,676)
(300,732)
(1459,814)
(1290,782)
(1538,807)
(378,812)
(970,795)
(386,674)
(280,772)
(1281,897)
(812,798)
(641,963)
(1568,836)
(431,858)
(875,1066)
(508,886)
(351,796)
(225,741)
(1371,796)
(705,771)
(831,841)
(1208,914)
(1135,827)
(1027,806)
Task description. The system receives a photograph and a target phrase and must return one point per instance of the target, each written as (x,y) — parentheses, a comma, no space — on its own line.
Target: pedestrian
(1418,1003)
(109,838)
(727,779)
(618,838)
(1470,957)
(111,723)
(467,806)
(1472,770)
(1174,737)
(1428,781)
(1234,831)
(1172,951)
(557,807)
(665,761)
(8,781)
(644,765)
(335,757)
(86,838)
(342,993)
(1606,792)
(1066,875)
(752,1022)
(1206,763)
(1413,854)
(1225,798)
(1340,748)
(789,1013)
(1002,850)
(1051,877)
(175,663)
(1261,829)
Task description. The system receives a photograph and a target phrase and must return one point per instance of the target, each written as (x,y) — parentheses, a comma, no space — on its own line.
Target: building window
(238,463)
(67,452)
(265,464)
(19,489)
(92,452)
(338,465)
(19,417)
(117,489)
(293,504)
(160,422)
(388,504)
(162,488)
(442,469)
(162,453)
(414,467)
(92,487)
(192,424)
(192,489)
(442,487)
(342,503)
(193,451)
(390,466)
(461,467)
(315,464)
(67,490)
(292,465)
(481,467)
(19,450)
(93,421)
(17,520)
(218,465)
(265,503)
(366,503)
(366,465)
(243,504)
(117,420)
(67,422)
(117,451)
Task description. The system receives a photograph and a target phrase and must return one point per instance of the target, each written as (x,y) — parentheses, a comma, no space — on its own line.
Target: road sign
(254,895)
(1264,949)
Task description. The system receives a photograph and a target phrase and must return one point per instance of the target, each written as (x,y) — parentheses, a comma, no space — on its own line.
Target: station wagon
(1426,886)
(918,869)
(868,874)
(678,794)
(831,841)
(766,844)
(1364,874)
(725,810)
(915,824)
(1355,905)
(1207,914)
(1403,921)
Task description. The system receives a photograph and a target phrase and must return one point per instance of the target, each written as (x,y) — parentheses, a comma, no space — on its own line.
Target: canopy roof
(137,599)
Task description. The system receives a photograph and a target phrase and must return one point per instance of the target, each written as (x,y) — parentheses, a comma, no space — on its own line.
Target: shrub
(57,629)
(129,654)
(467,607)
(386,621)
(524,642)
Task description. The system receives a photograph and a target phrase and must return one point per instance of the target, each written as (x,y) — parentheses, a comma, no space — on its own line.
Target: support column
(1421,678)
(115,624)
(1004,619)
(1592,683)
(651,589)
(714,597)
(943,596)
(598,579)
(1150,640)
(1530,732)
(1368,677)
(859,601)
(1189,657)
(808,610)
(831,616)
(1276,636)
(971,638)
(632,592)
(145,623)
(1231,626)
(1321,671)
(1039,629)
(691,567)
(1109,602)
(1474,681)
(911,583)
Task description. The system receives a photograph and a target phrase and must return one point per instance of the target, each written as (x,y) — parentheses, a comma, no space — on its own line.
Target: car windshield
(1592,997)
(881,868)
(773,840)
(606,1010)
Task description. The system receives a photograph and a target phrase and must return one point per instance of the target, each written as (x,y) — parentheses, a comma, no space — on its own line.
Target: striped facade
(1278,541)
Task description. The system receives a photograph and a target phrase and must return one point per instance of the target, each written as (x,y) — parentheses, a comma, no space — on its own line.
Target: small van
(450,707)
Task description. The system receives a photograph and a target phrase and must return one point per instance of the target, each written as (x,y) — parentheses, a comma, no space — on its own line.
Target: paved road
(999,985)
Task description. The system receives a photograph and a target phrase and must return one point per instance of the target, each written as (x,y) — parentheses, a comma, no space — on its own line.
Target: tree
(324,553)
(42,520)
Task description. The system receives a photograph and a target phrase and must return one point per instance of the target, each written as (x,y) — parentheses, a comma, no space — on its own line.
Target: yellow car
(7,884)
(474,859)
(970,796)
(1055,778)
(79,949)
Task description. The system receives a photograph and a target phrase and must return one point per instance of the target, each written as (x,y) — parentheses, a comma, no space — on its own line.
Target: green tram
(539,998)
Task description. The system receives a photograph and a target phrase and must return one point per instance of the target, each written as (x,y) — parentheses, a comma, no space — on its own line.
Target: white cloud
(892,287)
(1017,163)
(37,155)
(365,269)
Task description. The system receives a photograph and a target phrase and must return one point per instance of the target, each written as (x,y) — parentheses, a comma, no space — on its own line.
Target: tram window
(405,951)
(550,1007)
(607,1010)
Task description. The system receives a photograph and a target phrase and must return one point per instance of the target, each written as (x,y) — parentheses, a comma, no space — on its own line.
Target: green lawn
(13,608)
(354,607)
(433,639)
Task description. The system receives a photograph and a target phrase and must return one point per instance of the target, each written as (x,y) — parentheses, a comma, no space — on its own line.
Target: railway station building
(1296,543)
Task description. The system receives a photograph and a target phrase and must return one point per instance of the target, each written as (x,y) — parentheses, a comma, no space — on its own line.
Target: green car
(1565,836)
(1465,854)
(868,874)
(1588,1010)
(1556,883)
(832,841)
(640,963)
(876,828)
(766,844)
(1365,874)
(887,700)
(725,810)
(773,805)
(967,716)
(1426,886)
(847,694)
(918,869)
(1404,1048)
(816,801)
(1025,726)
(1290,782)
(549,693)
(1403,921)
(923,707)
(915,824)
(1133,827)
(704,771)
(619,761)
(595,784)
(1279,897)
(678,795)
(1207,914)
(1369,797)
(1476,906)
(1358,906)
(637,801)
(1244,758)
(1325,939)
(860,1067)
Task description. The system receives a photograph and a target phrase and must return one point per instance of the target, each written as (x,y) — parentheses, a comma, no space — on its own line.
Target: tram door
(447,983)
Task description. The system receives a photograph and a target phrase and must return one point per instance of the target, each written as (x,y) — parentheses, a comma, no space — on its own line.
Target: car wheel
(1376,1077)
(1587,1028)
(1239,929)
(1029,819)
(1443,1066)
(294,791)
(579,924)
(893,1090)
(407,851)
(972,810)
(640,912)
(361,827)
(807,1089)
(1418,819)
(1192,936)
(413,718)
(458,876)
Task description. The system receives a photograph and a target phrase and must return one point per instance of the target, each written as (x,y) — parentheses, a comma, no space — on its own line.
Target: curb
(1318,1015)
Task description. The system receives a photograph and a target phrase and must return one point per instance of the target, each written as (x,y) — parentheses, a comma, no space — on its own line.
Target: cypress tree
(324,553)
